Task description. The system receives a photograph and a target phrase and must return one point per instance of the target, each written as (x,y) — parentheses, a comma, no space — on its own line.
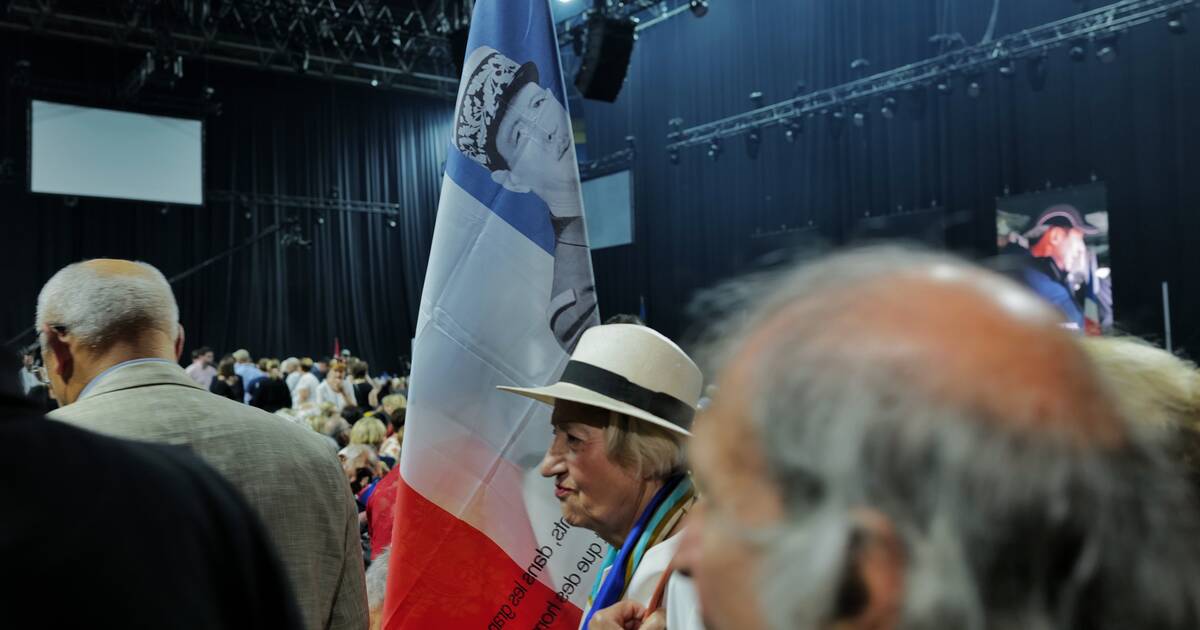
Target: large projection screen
(90,152)
(608,210)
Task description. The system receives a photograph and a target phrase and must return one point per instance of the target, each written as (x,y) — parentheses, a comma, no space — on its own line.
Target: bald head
(955,334)
(901,439)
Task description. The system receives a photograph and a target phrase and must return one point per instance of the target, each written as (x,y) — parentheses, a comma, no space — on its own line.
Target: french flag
(478,539)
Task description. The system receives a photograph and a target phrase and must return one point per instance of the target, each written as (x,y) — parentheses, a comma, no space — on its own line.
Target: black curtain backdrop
(359,281)
(1134,124)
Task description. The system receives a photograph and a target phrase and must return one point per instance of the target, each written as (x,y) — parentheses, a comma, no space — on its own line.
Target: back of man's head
(242,356)
(104,301)
(946,403)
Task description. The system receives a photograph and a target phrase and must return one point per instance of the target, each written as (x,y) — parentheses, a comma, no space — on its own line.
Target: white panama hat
(632,370)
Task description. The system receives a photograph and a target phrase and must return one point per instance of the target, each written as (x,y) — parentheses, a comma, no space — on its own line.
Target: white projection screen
(90,152)
(608,210)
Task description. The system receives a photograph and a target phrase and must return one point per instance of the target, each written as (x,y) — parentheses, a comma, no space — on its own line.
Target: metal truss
(395,44)
(646,13)
(1029,44)
(332,204)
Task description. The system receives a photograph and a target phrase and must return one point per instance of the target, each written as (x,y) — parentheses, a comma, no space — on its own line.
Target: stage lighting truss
(608,164)
(1101,25)
(646,13)
(396,44)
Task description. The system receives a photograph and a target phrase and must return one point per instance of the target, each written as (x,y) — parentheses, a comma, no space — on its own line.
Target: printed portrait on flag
(1056,243)
(512,126)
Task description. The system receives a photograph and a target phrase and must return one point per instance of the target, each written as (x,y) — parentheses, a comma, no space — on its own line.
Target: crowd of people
(884,438)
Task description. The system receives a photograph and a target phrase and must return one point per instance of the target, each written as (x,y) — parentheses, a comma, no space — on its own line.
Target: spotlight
(975,87)
(714,149)
(860,120)
(1009,69)
(860,65)
(1177,23)
(699,8)
(391,223)
(756,99)
(374,82)
(1078,51)
(888,111)
(945,86)
(1035,71)
(320,220)
(793,131)
(673,156)
(1107,53)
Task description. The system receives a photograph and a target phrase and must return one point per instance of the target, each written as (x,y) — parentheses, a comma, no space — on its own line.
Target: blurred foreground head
(903,440)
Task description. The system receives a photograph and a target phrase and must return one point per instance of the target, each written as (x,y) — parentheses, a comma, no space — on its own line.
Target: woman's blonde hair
(647,449)
(369,431)
(1153,387)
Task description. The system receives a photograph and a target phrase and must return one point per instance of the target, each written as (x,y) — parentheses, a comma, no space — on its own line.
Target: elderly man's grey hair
(377,575)
(1003,526)
(98,308)
(289,365)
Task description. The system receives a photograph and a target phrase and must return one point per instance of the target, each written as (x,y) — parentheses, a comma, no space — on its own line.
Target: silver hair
(99,308)
(377,575)
(1001,528)
(289,365)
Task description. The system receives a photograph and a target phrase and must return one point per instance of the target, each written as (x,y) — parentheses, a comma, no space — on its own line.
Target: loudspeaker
(607,49)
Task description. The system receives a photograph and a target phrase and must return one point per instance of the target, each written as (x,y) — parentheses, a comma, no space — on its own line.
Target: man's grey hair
(1002,528)
(377,575)
(289,365)
(99,308)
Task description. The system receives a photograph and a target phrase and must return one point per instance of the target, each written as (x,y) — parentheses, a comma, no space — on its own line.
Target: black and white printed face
(534,137)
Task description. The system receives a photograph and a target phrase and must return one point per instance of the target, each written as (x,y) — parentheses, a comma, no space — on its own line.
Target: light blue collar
(102,375)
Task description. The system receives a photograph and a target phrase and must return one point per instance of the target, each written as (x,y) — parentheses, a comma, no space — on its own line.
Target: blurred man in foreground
(902,440)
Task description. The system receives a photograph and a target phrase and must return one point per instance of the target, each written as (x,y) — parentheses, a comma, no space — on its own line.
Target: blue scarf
(675,492)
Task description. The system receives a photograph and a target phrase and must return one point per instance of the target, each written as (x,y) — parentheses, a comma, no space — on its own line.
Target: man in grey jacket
(111,339)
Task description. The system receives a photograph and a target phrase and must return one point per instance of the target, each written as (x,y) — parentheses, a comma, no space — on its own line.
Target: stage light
(673,156)
(945,86)
(320,220)
(975,87)
(860,120)
(1107,53)
(392,223)
(1078,51)
(1035,71)
(756,99)
(699,8)
(1177,23)
(374,82)
(714,149)
(1008,69)
(888,111)
(793,131)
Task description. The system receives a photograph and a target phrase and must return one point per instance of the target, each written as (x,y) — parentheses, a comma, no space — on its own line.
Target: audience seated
(902,440)
(112,337)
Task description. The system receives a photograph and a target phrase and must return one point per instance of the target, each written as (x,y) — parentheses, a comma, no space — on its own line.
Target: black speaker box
(607,48)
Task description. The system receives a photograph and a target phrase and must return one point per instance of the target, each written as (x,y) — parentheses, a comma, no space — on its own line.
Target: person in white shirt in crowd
(29,373)
(336,390)
(305,390)
(201,370)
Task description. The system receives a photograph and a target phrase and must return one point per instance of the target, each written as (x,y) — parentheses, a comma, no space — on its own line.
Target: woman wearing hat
(622,410)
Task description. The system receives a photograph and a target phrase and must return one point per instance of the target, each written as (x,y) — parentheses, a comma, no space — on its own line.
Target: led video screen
(608,210)
(90,152)
(1056,243)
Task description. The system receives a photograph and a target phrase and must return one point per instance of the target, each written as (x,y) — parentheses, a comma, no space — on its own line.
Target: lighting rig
(398,44)
(1102,26)
(645,13)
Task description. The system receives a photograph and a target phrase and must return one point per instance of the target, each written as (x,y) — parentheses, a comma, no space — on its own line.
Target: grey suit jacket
(287,472)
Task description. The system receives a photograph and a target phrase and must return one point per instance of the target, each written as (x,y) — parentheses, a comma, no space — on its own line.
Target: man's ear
(873,588)
(179,343)
(58,345)
(510,181)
